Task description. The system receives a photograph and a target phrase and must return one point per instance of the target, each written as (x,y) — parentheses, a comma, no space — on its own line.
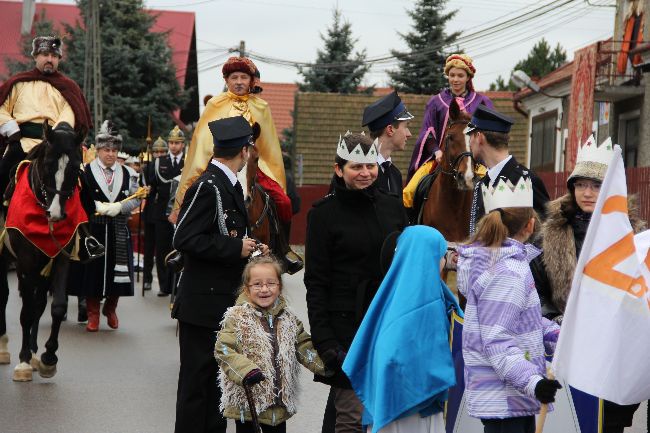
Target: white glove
(113,209)
(100,207)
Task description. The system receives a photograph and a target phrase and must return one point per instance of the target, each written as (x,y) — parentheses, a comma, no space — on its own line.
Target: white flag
(604,344)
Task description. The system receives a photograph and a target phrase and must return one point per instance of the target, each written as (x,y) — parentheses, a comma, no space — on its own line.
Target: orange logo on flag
(601,267)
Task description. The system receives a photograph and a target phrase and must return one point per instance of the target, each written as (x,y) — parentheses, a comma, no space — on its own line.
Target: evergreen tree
(541,60)
(138,77)
(336,69)
(421,68)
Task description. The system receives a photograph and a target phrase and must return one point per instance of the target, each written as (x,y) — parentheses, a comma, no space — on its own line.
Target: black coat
(345,233)
(146,179)
(161,175)
(211,243)
(390,180)
(513,171)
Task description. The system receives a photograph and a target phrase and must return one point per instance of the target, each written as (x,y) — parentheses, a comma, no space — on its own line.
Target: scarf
(239,107)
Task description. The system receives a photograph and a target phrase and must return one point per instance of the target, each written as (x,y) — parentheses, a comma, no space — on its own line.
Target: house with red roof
(179,25)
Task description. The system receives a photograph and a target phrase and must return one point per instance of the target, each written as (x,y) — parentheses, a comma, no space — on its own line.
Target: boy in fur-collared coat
(260,345)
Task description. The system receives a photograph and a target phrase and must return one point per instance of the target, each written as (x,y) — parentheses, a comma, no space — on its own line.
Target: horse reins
(456,162)
(265,210)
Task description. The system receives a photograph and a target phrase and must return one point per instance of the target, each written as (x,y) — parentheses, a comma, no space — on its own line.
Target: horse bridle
(456,162)
(44,189)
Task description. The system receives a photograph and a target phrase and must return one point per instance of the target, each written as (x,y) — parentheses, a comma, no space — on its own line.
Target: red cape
(26,216)
(68,88)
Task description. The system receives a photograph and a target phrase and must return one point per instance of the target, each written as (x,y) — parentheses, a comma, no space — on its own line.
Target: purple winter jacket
(435,121)
(504,334)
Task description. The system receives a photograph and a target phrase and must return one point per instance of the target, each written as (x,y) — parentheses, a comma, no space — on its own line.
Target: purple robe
(435,119)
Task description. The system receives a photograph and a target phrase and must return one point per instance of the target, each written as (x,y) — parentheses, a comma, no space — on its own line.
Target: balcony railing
(615,64)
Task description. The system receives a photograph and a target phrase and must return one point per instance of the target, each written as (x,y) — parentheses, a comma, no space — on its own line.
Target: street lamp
(521,80)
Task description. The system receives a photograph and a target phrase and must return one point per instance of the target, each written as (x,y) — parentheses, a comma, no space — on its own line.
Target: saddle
(422,192)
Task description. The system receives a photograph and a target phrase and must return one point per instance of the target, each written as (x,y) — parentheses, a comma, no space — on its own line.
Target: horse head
(457,156)
(58,165)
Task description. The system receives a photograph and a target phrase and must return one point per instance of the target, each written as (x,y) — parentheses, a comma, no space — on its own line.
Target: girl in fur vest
(260,345)
(504,335)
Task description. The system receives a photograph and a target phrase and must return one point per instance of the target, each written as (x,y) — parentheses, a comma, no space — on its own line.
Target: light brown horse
(449,201)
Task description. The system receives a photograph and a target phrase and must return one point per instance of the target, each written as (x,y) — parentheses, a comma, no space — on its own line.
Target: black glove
(14,138)
(546,389)
(333,358)
(254,376)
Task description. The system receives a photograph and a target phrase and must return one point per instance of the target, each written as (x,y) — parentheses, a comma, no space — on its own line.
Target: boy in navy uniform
(212,234)
(488,132)
(388,121)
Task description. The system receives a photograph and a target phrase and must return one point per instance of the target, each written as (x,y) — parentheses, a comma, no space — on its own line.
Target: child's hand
(546,389)
(254,376)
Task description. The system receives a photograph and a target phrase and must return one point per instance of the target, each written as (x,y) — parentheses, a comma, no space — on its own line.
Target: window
(542,144)
(631,142)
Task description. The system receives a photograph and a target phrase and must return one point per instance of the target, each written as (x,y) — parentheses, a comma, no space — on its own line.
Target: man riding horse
(28,99)
(240,76)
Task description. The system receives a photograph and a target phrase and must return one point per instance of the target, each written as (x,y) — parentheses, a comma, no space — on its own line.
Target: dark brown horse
(449,201)
(53,174)
(262,215)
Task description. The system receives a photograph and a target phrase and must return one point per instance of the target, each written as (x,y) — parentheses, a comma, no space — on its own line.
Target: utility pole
(242,48)
(93,61)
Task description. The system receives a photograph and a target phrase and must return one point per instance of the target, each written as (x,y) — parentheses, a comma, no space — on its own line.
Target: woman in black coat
(345,232)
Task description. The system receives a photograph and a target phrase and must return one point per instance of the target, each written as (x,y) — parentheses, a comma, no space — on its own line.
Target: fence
(638,183)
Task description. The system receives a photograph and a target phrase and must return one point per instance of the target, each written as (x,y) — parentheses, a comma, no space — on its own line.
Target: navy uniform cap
(487,119)
(231,132)
(385,111)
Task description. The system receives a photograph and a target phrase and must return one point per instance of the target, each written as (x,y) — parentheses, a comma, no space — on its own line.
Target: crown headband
(357,154)
(504,194)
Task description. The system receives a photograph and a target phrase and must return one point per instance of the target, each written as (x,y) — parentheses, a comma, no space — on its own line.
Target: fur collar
(558,244)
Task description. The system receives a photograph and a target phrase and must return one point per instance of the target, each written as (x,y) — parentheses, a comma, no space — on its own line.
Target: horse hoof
(46,371)
(35,362)
(4,353)
(23,372)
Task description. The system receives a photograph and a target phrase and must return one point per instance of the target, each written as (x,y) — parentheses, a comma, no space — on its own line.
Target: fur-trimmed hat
(592,161)
(239,64)
(106,137)
(176,135)
(47,44)
(159,145)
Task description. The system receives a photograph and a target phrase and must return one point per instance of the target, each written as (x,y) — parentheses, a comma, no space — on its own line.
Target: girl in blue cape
(400,363)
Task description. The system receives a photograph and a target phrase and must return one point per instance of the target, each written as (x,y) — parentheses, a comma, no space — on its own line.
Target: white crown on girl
(591,152)
(504,194)
(357,154)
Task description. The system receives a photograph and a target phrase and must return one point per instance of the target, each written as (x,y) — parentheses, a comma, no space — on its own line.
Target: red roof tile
(280,97)
(180,25)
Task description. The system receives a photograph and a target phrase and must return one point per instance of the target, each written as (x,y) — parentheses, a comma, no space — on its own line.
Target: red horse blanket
(26,216)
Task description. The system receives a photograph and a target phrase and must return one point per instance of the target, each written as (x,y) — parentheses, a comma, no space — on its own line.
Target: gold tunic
(227,104)
(35,101)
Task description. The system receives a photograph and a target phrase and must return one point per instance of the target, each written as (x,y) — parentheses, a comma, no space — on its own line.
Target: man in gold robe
(30,98)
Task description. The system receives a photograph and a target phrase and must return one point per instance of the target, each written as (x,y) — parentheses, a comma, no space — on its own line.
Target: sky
(290,30)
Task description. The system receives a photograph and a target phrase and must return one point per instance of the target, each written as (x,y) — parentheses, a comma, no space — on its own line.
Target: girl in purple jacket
(504,335)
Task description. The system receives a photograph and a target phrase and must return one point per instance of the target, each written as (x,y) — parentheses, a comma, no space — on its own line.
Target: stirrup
(292,262)
(94,248)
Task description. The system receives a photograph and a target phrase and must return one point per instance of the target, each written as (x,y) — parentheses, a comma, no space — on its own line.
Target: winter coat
(561,239)
(345,233)
(273,341)
(504,334)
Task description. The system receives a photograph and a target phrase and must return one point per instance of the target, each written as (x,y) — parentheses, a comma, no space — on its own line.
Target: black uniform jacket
(512,171)
(390,180)
(211,224)
(162,172)
(345,233)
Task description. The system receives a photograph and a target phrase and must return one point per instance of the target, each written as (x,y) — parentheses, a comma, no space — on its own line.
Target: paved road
(124,381)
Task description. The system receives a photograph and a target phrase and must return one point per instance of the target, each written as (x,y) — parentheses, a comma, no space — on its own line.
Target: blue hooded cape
(400,360)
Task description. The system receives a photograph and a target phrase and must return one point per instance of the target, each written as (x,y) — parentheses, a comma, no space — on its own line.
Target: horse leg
(23,371)
(40,302)
(5,358)
(49,359)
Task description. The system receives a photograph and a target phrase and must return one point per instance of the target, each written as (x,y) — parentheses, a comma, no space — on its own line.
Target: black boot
(292,261)
(82,312)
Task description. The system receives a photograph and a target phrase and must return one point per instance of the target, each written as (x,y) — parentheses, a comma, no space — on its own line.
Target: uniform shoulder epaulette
(323,200)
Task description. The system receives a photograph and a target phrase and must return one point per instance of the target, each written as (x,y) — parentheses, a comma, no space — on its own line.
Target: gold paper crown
(357,154)
(503,194)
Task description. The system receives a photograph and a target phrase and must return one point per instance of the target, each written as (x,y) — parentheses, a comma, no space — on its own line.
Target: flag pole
(544,410)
